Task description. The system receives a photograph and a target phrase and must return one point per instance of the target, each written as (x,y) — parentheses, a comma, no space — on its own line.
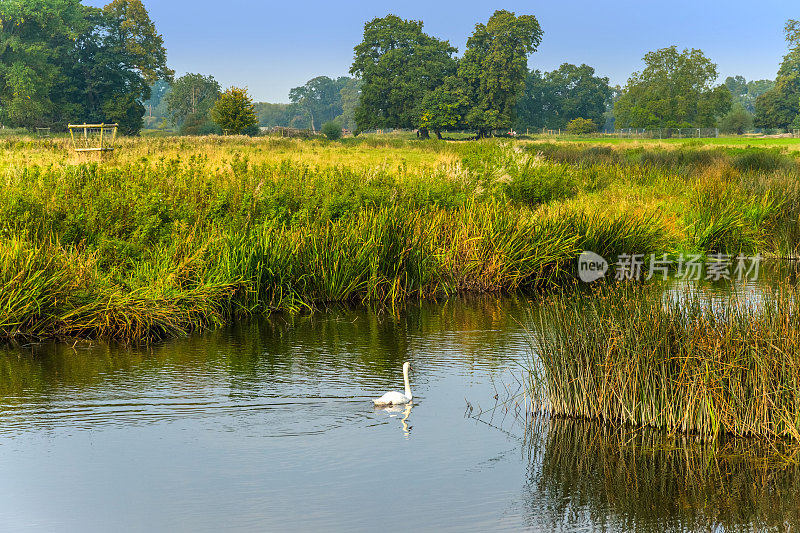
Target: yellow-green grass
(168,234)
(739,141)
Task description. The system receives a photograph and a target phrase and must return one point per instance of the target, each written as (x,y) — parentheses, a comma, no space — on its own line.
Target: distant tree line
(554,99)
(405,78)
(65,62)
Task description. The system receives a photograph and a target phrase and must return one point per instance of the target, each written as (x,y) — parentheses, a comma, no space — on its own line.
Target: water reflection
(316,368)
(403,411)
(586,475)
(269,425)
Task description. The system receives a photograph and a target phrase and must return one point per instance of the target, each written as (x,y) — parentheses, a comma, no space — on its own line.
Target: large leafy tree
(191,97)
(558,97)
(115,63)
(536,104)
(444,108)
(127,111)
(675,90)
(130,30)
(780,106)
(36,38)
(578,93)
(494,68)
(320,98)
(61,61)
(399,64)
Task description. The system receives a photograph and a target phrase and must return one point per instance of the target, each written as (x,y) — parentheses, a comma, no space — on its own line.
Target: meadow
(167,235)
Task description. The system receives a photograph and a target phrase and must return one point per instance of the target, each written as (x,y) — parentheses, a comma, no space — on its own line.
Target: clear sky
(270,47)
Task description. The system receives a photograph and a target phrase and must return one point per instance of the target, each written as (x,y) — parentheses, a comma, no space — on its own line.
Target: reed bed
(636,355)
(204,277)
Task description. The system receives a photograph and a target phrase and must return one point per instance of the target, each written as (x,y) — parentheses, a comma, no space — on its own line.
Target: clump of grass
(628,354)
(680,158)
(611,237)
(47,291)
(722,219)
(533,184)
(762,160)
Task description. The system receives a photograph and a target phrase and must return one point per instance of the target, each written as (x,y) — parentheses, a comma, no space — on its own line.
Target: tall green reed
(633,355)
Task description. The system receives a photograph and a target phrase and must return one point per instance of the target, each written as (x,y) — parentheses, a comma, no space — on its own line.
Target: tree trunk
(423,133)
(438,134)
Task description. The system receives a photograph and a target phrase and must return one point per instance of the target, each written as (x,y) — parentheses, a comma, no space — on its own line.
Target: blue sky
(270,47)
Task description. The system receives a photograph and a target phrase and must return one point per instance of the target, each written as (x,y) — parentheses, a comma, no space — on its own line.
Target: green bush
(332,130)
(234,112)
(580,126)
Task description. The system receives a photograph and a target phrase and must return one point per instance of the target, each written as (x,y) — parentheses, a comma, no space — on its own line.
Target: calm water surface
(268,426)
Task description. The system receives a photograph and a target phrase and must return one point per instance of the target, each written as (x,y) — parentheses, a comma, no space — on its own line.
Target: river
(269,426)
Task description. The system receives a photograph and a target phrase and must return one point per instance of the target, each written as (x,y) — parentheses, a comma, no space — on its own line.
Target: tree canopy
(320,98)
(190,99)
(675,90)
(746,92)
(398,64)
(444,108)
(234,112)
(556,98)
(61,61)
(780,106)
(494,68)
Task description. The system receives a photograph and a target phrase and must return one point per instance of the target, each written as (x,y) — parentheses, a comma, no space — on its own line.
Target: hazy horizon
(272,47)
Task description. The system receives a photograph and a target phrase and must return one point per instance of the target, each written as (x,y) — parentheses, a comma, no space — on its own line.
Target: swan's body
(397,398)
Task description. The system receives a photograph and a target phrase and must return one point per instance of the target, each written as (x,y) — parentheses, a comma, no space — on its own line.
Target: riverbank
(174,234)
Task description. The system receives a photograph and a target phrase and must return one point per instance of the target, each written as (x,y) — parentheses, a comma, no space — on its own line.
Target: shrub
(581,125)
(738,120)
(234,112)
(332,130)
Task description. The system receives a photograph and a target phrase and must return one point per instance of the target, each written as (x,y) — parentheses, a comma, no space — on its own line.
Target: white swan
(397,398)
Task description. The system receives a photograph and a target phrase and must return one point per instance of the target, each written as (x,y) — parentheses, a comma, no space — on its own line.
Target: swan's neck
(405,379)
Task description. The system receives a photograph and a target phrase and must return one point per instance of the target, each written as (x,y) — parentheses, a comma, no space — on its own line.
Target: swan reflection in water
(396,410)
